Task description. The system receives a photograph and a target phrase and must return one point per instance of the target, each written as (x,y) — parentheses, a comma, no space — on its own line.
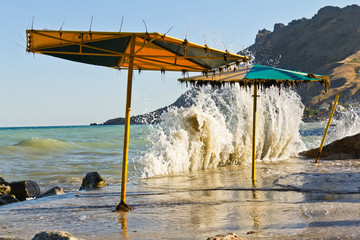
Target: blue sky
(39,90)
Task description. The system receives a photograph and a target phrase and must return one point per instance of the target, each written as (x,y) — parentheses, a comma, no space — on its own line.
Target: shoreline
(198,205)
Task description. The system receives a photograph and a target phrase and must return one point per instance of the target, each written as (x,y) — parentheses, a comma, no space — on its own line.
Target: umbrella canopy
(152,51)
(260,75)
(120,50)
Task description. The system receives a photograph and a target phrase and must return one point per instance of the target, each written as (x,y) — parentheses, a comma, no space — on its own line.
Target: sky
(39,90)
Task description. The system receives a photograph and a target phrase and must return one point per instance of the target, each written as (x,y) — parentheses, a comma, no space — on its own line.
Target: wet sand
(291,200)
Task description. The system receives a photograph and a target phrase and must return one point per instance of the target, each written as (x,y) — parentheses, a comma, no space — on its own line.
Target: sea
(213,137)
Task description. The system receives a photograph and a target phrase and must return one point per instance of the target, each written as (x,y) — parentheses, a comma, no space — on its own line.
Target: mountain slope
(319,45)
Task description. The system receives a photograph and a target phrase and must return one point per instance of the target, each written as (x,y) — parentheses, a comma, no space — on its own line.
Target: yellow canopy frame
(121,50)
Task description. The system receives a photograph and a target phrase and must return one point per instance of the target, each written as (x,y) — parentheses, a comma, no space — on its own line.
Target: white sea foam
(346,124)
(217,131)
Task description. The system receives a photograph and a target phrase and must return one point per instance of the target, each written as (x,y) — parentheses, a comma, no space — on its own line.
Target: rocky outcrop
(3,182)
(52,192)
(329,36)
(92,180)
(319,45)
(7,198)
(54,235)
(24,189)
(21,190)
(345,148)
(4,187)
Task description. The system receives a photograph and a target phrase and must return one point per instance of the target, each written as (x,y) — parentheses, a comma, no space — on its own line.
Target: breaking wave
(44,146)
(217,131)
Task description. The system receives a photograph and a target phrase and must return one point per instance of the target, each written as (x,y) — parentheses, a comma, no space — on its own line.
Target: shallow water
(205,203)
(190,177)
(63,155)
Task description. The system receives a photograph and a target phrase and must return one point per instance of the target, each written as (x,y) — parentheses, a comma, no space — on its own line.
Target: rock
(4,189)
(54,235)
(7,198)
(278,26)
(24,189)
(53,191)
(3,182)
(92,180)
(229,236)
(345,148)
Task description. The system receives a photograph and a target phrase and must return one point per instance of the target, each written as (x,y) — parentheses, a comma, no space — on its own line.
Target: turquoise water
(191,172)
(63,155)
(209,135)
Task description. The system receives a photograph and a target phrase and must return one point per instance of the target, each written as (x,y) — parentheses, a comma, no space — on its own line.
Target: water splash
(347,123)
(217,131)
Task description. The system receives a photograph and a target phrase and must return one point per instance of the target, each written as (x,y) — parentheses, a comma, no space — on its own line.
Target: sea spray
(217,131)
(347,123)
(189,139)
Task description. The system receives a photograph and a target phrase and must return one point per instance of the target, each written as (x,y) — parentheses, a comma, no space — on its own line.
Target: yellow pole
(327,127)
(254,134)
(123,205)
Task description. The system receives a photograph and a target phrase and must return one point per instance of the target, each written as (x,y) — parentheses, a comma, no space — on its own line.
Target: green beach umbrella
(256,75)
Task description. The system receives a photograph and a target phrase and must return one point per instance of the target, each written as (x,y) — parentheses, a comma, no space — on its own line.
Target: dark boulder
(7,198)
(24,189)
(345,148)
(92,180)
(4,189)
(3,182)
(53,191)
(54,235)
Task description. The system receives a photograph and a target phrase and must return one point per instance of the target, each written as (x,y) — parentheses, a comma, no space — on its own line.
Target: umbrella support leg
(122,206)
(254,134)
(327,127)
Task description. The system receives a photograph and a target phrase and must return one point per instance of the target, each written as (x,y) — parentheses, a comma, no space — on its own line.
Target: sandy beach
(291,200)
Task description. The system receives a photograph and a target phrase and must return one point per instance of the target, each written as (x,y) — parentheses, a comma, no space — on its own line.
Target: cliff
(328,44)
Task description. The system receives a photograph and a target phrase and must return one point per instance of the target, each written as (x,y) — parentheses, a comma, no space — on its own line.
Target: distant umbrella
(256,75)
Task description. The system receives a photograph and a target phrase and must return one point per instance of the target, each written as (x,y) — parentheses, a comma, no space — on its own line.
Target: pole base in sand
(123,207)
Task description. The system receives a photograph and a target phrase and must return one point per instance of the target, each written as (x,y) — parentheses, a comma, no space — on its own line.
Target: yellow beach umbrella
(130,50)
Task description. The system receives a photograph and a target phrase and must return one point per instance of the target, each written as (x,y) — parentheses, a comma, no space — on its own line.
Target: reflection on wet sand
(199,204)
(224,198)
(254,213)
(123,223)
